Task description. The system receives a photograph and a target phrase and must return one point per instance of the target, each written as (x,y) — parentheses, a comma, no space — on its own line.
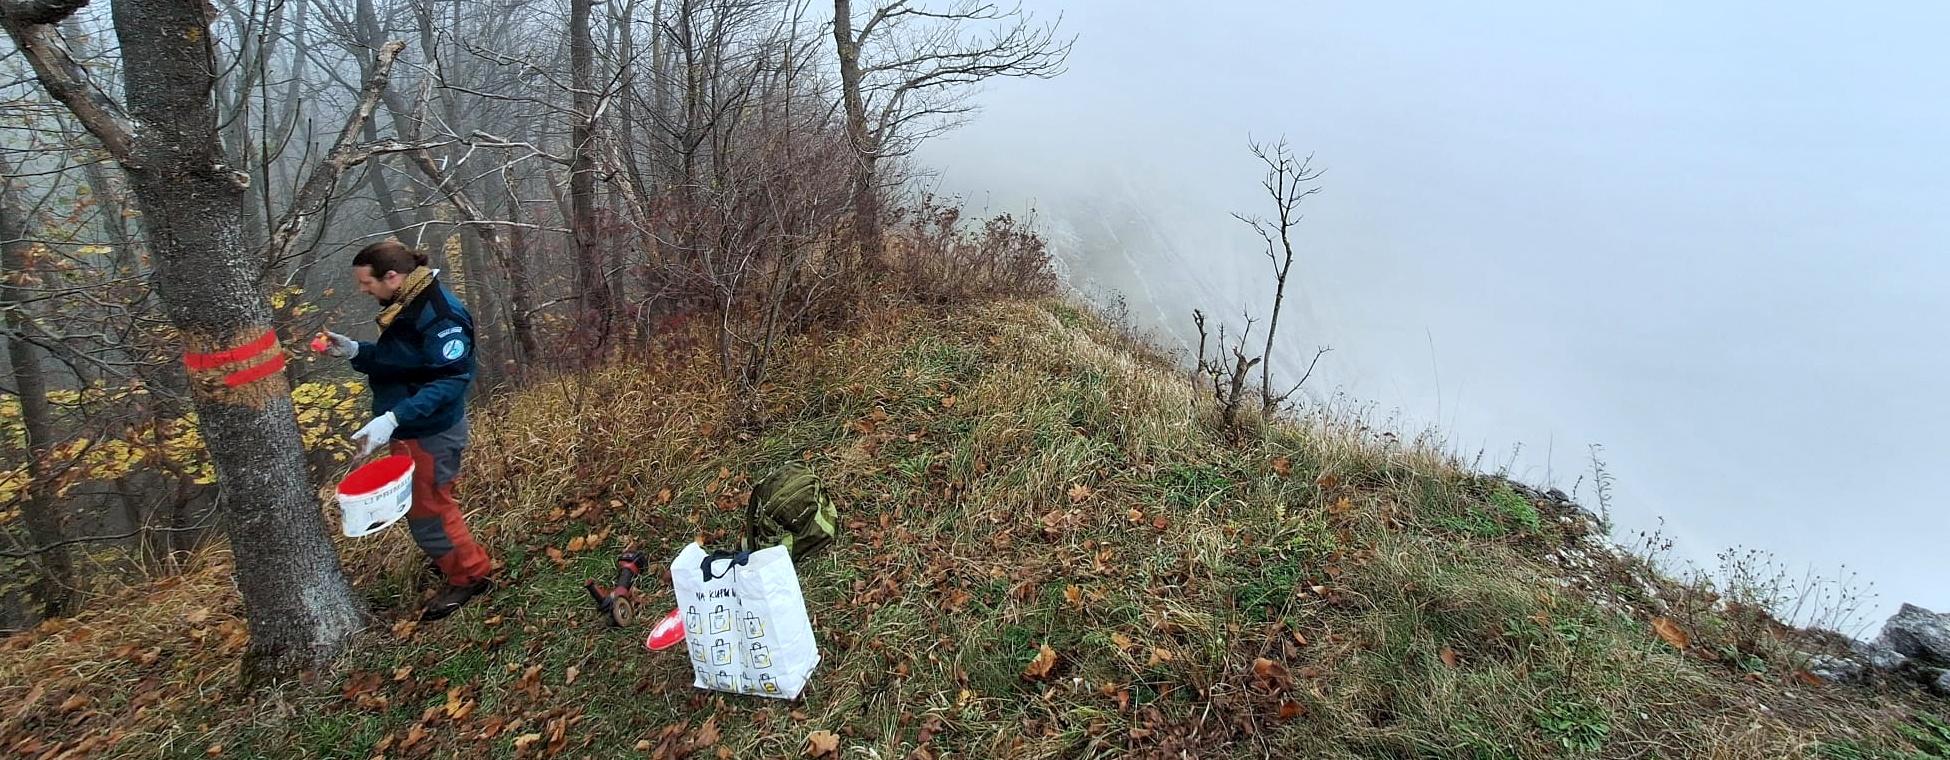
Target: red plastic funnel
(667,632)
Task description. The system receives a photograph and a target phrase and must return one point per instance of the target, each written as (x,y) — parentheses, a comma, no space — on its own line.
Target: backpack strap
(751,521)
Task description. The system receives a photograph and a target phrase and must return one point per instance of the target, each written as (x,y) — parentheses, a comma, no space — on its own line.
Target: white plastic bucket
(375,495)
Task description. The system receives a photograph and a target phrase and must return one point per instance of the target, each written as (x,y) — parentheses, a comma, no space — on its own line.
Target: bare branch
(1318,352)
(208,519)
(65,79)
(317,188)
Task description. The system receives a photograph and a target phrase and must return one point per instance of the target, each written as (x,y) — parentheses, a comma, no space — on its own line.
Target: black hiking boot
(452,598)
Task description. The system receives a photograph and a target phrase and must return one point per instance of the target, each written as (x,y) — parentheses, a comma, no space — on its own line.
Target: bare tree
(1287,184)
(906,73)
(300,608)
(592,284)
(55,589)
(1228,376)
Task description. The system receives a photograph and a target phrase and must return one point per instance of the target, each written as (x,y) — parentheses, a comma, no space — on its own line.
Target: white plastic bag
(745,621)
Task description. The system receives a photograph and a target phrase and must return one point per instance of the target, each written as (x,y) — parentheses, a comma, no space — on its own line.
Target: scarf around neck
(416,283)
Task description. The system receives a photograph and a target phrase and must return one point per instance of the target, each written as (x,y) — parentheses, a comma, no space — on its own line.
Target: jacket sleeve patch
(453,349)
(448,331)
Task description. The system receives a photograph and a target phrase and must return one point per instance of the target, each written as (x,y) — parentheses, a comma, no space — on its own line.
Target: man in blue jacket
(419,371)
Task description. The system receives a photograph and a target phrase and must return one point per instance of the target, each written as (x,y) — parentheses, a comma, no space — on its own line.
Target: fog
(1710,239)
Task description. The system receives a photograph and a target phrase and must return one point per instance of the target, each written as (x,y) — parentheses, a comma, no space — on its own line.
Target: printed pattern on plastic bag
(745,622)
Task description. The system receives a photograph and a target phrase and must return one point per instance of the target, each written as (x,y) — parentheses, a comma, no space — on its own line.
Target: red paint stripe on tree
(214,359)
(255,372)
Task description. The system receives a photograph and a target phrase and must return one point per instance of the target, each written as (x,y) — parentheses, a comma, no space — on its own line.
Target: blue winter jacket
(420,366)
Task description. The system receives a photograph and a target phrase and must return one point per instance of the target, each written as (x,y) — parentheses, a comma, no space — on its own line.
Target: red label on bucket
(375,476)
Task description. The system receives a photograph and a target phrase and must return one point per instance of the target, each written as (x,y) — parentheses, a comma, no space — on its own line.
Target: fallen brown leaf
(524,741)
(1074,596)
(1271,676)
(558,735)
(1448,657)
(1290,709)
(929,728)
(1121,641)
(569,676)
(1671,633)
(413,736)
(1080,492)
(1282,466)
(706,735)
(1039,668)
(822,743)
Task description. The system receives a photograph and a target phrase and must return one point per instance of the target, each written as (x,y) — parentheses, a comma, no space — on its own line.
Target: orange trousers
(435,517)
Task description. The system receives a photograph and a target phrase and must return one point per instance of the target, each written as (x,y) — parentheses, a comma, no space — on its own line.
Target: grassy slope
(1012,479)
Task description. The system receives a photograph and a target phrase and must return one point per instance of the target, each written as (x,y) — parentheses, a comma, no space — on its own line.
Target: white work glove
(341,346)
(377,433)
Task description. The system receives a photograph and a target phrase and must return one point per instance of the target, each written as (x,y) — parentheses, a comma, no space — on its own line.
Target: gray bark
(866,196)
(591,283)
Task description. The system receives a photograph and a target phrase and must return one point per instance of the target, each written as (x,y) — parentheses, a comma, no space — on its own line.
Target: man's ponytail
(390,255)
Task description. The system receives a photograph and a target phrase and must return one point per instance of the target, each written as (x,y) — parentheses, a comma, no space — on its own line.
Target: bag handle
(737,558)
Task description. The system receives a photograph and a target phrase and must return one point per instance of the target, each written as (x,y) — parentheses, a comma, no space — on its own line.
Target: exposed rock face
(1919,633)
(1834,669)
(1878,656)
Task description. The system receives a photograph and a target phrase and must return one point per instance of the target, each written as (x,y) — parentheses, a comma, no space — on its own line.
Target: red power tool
(619,600)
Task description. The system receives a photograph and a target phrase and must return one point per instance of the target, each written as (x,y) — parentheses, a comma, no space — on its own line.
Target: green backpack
(787,509)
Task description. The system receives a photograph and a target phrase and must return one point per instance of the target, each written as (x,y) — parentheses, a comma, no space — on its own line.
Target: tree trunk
(514,265)
(591,282)
(235,115)
(382,191)
(55,590)
(1266,399)
(866,193)
(301,611)
(626,108)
